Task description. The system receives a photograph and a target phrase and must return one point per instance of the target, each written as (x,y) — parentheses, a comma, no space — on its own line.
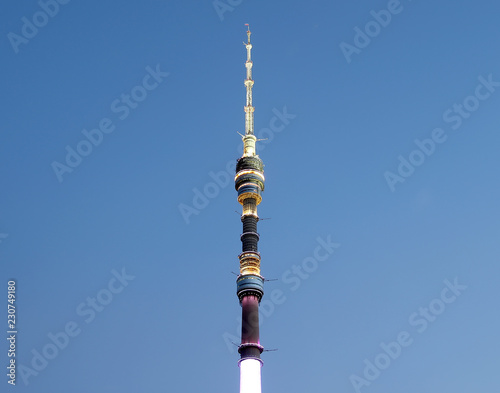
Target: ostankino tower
(249,182)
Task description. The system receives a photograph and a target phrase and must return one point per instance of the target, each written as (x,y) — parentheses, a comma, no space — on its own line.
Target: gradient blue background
(325,177)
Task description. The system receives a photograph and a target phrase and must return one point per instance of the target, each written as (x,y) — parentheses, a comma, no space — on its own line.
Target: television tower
(249,182)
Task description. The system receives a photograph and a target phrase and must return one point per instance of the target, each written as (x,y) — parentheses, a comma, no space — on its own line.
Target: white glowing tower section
(250,376)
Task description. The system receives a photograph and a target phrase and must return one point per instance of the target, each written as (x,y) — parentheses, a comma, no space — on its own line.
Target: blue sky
(118,223)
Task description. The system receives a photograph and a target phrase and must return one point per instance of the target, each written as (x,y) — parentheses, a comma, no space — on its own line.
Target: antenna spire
(249,138)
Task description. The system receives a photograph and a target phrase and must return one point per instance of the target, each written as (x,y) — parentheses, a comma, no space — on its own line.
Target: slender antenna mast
(249,109)
(249,139)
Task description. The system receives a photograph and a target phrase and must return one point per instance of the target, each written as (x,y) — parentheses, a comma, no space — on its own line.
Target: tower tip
(248,31)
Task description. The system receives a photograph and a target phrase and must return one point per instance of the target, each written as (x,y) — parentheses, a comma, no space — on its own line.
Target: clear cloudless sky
(342,166)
